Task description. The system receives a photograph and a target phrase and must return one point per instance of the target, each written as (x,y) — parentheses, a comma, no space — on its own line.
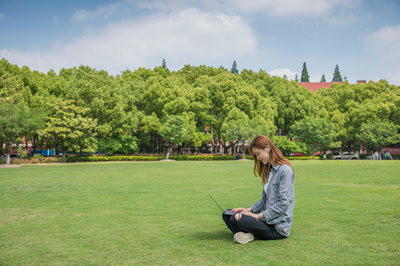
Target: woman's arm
(281,203)
(256,207)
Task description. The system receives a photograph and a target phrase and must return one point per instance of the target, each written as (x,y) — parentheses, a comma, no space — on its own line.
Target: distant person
(272,216)
(376,156)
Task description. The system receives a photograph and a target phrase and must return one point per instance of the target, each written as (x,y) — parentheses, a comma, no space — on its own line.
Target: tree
(285,145)
(173,131)
(164,64)
(292,103)
(336,75)
(69,128)
(12,119)
(236,127)
(377,134)
(323,78)
(234,69)
(304,74)
(296,78)
(317,132)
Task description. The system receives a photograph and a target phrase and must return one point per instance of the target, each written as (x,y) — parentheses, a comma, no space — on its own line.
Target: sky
(361,36)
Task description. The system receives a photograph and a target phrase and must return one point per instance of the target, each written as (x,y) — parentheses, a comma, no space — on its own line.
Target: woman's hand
(241,210)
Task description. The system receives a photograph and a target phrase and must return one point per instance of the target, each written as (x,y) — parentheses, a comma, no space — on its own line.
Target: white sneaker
(243,238)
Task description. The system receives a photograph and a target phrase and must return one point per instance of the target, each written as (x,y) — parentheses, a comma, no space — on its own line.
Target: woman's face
(262,154)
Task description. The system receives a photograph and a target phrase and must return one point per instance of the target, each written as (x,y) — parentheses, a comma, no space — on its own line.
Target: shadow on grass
(215,235)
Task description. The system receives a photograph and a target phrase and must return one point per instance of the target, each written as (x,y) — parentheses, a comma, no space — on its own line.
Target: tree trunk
(169,146)
(243,150)
(34,144)
(8,153)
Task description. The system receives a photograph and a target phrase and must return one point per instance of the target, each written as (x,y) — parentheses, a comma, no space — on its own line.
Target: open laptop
(226,211)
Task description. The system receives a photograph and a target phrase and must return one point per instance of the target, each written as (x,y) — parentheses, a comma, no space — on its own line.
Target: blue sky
(362,37)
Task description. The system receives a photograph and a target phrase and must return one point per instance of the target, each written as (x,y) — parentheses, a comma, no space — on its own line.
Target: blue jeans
(249,224)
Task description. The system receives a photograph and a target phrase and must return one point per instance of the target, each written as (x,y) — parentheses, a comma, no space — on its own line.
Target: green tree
(317,132)
(173,131)
(291,104)
(236,127)
(323,78)
(336,75)
(234,69)
(164,64)
(296,78)
(12,123)
(304,74)
(285,145)
(69,128)
(378,134)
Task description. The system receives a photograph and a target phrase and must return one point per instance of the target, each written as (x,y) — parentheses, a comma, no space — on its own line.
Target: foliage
(69,127)
(285,145)
(304,74)
(234,69)
(149,158)
(303,158)
(84,110)
(37,156)
(323,78)
(336,75)
(376,134)
(317,132)
(21,153)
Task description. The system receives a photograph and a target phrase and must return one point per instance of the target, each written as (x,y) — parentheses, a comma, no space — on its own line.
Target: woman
(271,217)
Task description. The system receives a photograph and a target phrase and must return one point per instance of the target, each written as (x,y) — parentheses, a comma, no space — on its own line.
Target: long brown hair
(276,157)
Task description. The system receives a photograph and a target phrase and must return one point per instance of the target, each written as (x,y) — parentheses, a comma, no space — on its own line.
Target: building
(314,86)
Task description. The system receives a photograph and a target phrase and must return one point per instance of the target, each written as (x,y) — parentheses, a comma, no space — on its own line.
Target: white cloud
(384,47)
(286,9)
(101,11)
(341,20)
(182,38)
(284,71)
(385,41)
(291,8)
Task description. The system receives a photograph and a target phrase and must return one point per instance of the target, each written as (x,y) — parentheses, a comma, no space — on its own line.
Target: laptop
(226,211)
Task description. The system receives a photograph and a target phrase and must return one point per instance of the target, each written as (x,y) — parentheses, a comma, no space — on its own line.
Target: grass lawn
(347,212)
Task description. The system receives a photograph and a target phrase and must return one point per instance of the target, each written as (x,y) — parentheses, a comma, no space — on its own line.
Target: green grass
(347,212)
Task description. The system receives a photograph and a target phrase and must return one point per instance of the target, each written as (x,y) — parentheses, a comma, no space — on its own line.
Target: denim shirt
(277,204)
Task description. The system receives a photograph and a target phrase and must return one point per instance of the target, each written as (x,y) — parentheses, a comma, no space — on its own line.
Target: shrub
(149,158)
(303,158)
(21,153)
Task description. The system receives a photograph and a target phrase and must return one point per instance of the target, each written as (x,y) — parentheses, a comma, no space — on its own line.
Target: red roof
(314,86)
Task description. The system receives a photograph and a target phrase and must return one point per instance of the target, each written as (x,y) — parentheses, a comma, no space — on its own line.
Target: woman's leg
(258,228)
(229,224)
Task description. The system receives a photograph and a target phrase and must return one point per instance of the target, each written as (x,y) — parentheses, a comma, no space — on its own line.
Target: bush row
(37,159)
(41,159)
(202,157)
(111,158)
(303,157)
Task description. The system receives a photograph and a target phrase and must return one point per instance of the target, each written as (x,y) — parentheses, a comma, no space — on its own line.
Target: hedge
(142,158)
(303,157)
